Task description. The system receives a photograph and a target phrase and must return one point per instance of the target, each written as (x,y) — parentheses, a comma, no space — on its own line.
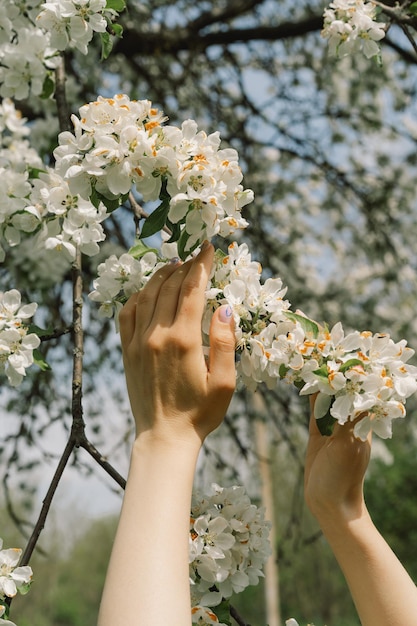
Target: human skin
(177,398)
(383,592)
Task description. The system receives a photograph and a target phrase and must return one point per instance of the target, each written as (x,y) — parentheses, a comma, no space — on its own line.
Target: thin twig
(60,97)
(56,333)
(47,501)
(407,33)
(101,460)
(238,618)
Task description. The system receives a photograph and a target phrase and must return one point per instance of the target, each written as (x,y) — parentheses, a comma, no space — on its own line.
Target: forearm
(147,583)
(382,590)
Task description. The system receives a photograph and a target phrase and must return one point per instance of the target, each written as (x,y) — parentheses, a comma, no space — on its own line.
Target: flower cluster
(119,278)
(32,34)
(13,579)
(354,374)
(229,546)
(16,343)
(72,23)
(118,143)
(351,26)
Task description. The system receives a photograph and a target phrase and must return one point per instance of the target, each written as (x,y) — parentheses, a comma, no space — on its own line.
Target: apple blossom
(228,545)
(350,26)
(16,344)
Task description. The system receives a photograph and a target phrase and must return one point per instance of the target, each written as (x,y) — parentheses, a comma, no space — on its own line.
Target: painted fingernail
(225,313)
(175,260)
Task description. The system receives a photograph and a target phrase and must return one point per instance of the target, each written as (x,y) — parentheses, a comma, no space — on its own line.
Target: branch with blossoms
(119,145)
(357,26)
(118,150)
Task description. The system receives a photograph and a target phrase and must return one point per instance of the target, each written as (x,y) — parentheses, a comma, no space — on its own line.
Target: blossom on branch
(16,343)
(229,545)
(13,579)
(351,26)
(358,374)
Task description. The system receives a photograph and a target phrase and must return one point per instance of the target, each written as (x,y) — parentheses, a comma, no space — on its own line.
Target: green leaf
(48,87)
(326,424)
(175,230)
(111,204)
(413,8)
(23,589)
(41,332)
(139,249)
(156,220)
(40,361)
(223,612)
(117,30)
(308,325)
(116,5)
(348,364)
(182,242)
(283,369)
(106,45)
(34,172)
(322,371)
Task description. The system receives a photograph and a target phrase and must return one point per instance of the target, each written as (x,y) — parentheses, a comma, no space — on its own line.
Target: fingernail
(225,313)
(205,245)
(175,260)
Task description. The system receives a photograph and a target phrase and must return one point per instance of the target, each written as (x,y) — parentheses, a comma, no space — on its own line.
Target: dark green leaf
(48,87)
(156,220)
(111,204)
(326,424)
(175,230)
(41,332)
(306,324)
(413,8)
(223,613)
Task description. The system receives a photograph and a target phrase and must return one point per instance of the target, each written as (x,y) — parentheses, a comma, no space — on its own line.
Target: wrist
(154,442)
(342,518)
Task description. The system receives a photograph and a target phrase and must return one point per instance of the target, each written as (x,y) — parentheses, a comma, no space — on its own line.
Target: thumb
(222,348)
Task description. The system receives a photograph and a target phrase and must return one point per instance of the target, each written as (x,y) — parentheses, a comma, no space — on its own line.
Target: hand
(174,393)
(335,471)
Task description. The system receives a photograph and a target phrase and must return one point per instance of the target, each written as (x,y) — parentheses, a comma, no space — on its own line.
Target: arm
(382,590)
(177,399)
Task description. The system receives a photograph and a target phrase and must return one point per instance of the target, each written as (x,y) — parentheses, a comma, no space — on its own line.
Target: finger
(222,371)
(148,297)
(166,306)
(127,317)
(191,299)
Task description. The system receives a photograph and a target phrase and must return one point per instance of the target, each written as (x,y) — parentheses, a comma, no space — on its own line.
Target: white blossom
(350,26)
(12,577)
(16,344)
(229,544)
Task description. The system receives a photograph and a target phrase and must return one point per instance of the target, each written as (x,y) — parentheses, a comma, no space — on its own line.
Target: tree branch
(176,39)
